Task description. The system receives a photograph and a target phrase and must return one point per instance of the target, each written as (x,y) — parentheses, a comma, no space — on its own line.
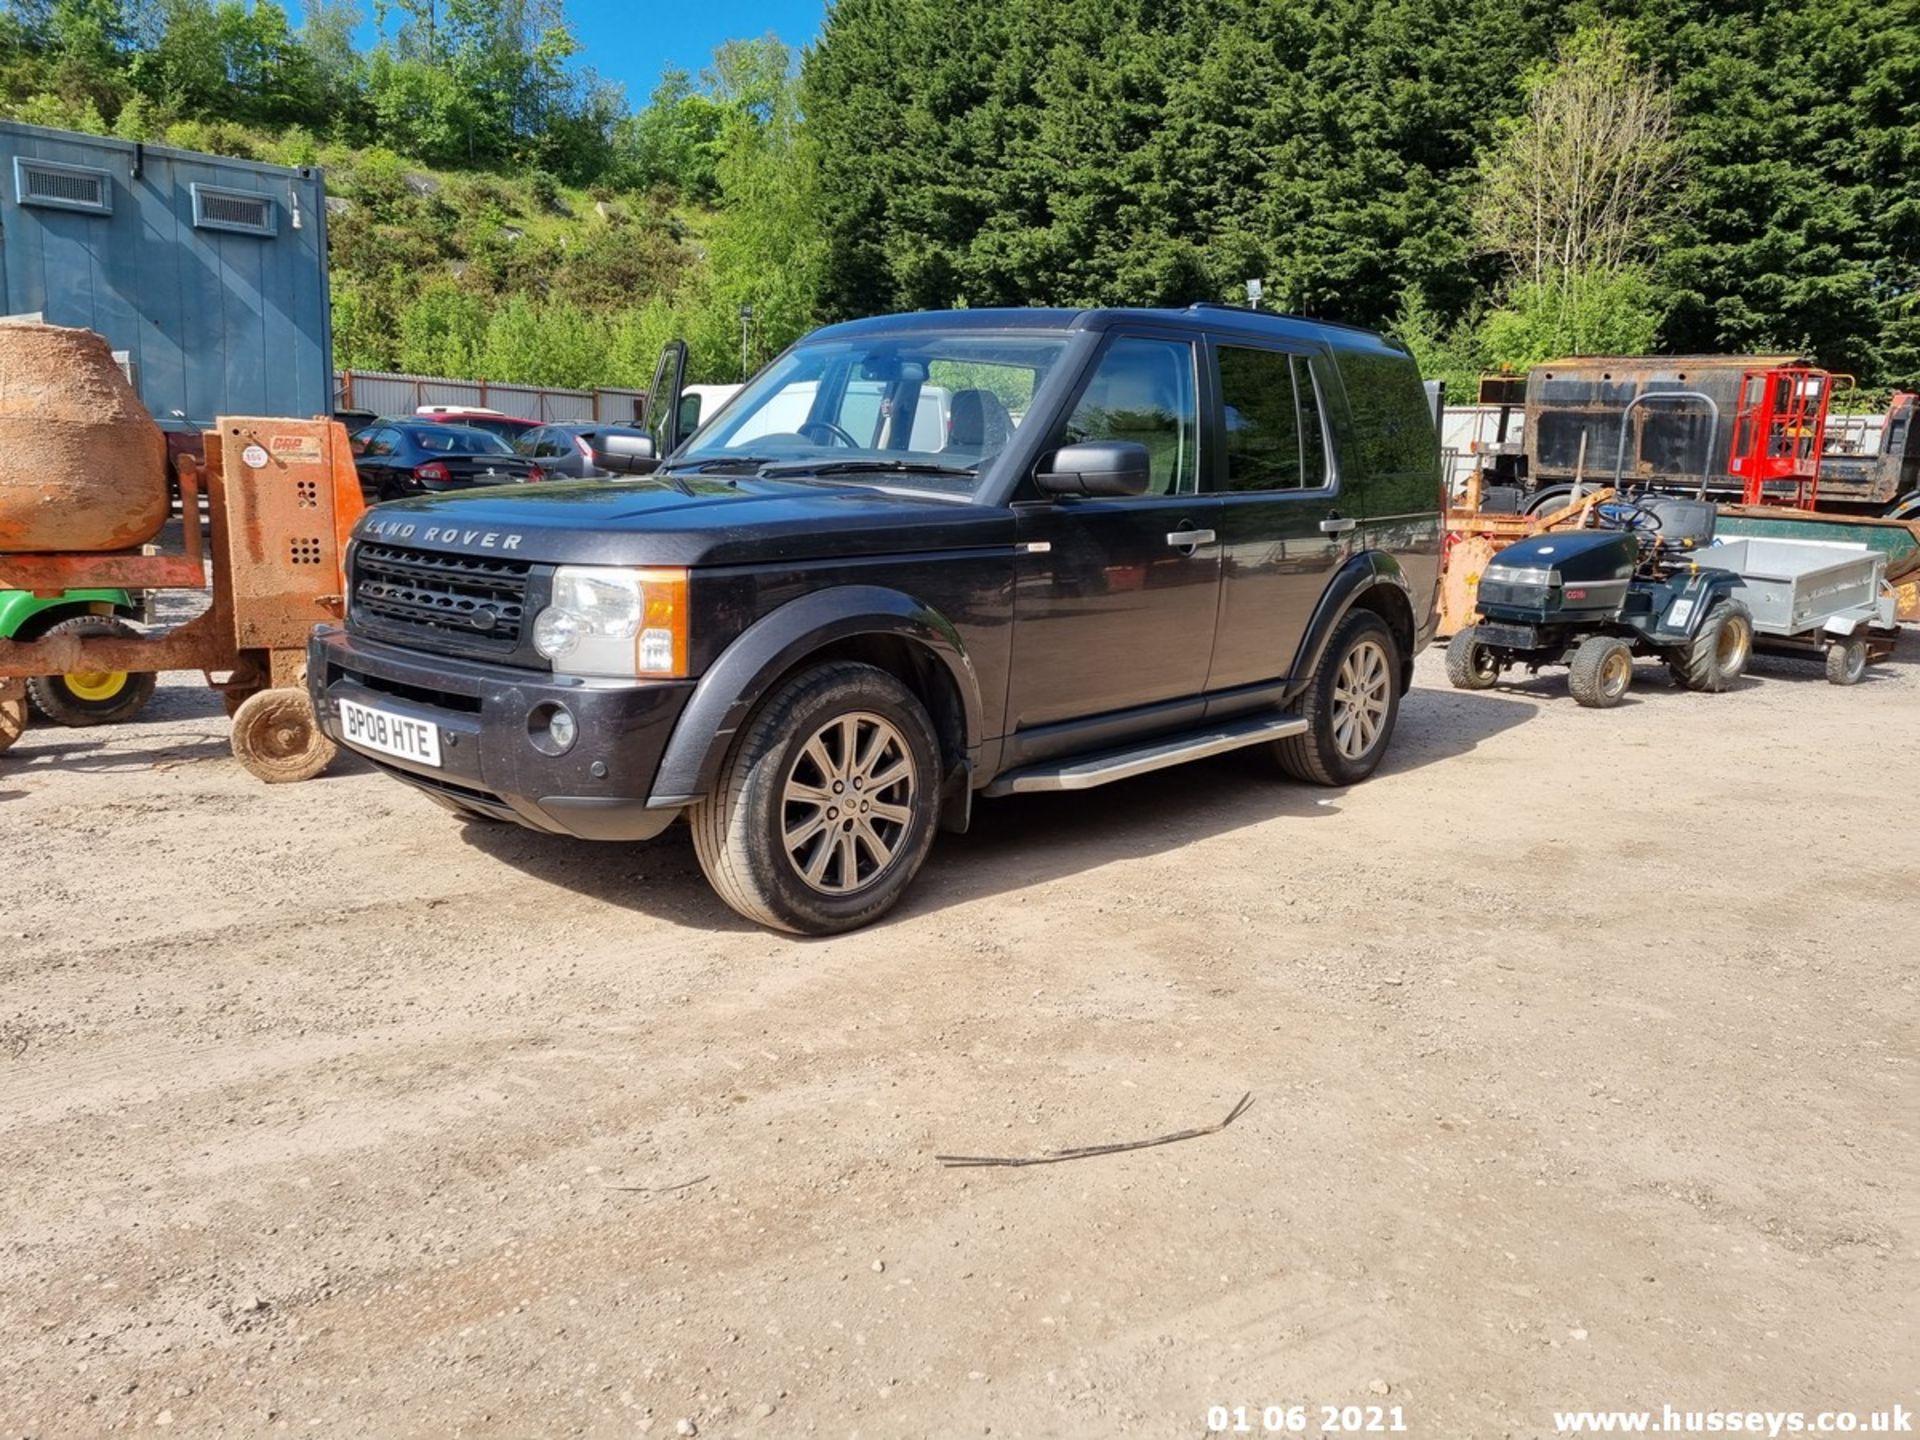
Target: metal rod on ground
(1087,1152)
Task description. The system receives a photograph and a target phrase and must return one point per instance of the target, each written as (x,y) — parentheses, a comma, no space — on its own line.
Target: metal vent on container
(64,187)
(238,210)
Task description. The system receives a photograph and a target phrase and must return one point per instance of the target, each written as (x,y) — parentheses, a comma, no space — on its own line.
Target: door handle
(1337,525)
(1189,539)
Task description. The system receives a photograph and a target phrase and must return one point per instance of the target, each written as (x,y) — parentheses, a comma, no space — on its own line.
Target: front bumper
(597,790)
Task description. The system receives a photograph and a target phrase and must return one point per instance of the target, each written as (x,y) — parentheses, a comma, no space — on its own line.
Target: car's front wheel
(1350,706)
(826,806)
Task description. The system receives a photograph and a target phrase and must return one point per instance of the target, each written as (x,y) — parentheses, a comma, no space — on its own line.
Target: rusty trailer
(281,498)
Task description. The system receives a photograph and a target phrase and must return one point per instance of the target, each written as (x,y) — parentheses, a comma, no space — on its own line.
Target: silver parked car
(588,450)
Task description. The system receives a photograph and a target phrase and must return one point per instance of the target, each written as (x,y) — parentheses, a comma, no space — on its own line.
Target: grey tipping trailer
(209,273)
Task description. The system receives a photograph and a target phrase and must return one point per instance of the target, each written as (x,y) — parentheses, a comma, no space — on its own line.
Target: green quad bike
(1592,600)
(86,697)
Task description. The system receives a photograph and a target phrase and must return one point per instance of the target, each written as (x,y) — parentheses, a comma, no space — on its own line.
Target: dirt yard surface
(1582,1047)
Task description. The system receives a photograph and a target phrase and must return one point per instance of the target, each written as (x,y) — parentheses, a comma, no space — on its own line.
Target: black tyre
(826,807)
(1349,706)
(1847,662)
(1470,665)
(1602,670)
(91,697)
(1719,651)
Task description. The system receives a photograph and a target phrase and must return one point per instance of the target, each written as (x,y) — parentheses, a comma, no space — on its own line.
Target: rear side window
(1274,438)
(1393,433)
(460,441)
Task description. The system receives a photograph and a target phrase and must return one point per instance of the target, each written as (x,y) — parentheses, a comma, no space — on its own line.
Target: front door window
(1143,390)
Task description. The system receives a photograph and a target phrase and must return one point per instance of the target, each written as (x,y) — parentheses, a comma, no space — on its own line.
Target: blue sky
(633,41)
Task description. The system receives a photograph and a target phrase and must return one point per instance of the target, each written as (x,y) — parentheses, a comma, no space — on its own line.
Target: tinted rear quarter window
(1394,447)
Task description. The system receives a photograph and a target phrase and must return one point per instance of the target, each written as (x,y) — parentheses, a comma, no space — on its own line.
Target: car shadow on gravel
(1024,840)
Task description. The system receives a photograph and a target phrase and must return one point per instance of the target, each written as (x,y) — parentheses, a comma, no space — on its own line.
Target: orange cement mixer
(82,465)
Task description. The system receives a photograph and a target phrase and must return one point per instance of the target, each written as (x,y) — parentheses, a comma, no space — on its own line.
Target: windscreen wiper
(866,467)
(720,462)
(677,482)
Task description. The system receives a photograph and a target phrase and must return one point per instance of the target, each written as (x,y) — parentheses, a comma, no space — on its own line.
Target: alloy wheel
(847,802)
(1361,692)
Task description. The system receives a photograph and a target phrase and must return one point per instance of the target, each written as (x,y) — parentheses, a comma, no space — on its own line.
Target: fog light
(552,728)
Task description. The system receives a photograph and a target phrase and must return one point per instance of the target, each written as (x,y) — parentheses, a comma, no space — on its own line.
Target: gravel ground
(1582,1049)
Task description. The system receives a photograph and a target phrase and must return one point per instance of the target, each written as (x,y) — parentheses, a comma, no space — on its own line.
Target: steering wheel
(1629,516)
(834,433)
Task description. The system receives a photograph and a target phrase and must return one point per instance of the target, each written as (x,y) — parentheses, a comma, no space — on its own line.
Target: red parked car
(508,427)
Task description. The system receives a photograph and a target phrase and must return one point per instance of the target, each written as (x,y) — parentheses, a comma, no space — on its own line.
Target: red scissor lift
(1779,431)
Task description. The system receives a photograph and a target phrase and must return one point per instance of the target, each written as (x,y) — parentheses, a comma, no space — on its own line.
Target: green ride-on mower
(85,697)
(1593,599)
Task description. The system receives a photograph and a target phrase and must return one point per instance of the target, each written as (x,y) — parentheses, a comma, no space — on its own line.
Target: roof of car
(1206,315)
(411,422)
(477,412)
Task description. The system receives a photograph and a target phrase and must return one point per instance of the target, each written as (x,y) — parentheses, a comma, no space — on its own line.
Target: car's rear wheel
(91,697)
(1350,706)
(825,808)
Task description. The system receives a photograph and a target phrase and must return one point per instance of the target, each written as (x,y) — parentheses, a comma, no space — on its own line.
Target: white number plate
(366,728)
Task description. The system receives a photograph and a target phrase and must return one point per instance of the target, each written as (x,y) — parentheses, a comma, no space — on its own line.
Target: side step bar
(1083,772)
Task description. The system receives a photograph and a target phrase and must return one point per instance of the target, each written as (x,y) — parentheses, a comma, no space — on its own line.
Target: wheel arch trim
(770,647)
(1363,576)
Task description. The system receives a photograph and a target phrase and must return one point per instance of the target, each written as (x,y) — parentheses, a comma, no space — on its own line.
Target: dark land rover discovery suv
(918,559)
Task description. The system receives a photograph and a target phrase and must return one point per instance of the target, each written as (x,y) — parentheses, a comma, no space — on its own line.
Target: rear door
(1115,597)
(1282,532)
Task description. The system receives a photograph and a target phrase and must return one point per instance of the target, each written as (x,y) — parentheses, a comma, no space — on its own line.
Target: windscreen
(941,405)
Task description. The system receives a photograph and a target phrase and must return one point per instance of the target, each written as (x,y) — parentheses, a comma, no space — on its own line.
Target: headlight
(1509,575)
(623,624)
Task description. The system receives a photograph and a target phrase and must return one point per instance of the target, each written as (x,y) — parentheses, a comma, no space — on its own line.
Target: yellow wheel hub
(95,685)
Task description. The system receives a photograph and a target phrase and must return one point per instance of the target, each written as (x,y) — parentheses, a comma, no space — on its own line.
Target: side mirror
(628,454)
(1096,467)
(689,414)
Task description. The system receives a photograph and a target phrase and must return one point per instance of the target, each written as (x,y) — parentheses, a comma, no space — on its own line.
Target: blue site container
(209,273)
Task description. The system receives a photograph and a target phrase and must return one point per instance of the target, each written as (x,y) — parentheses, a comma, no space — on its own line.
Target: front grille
(441,602)
(418,695)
